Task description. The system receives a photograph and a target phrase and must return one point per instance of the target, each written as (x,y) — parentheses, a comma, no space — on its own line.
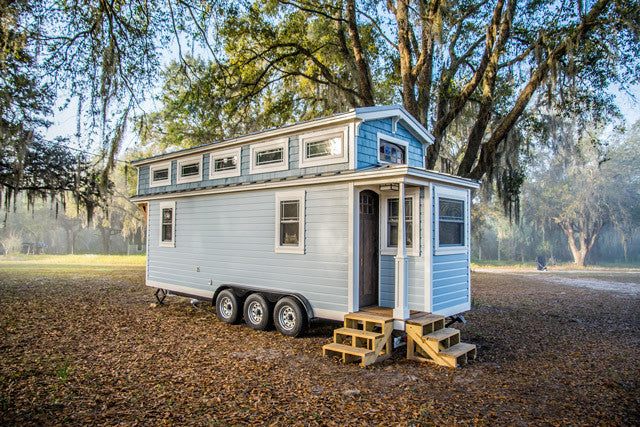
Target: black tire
(289,317)
(227,307)
(257,312)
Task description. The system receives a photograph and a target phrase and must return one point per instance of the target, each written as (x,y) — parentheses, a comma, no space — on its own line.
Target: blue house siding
(231,238)
(294,170)
(450,273)
(367,140)
(416,272)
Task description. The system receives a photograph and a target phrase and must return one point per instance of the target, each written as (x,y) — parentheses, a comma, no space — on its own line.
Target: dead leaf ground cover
(81,344)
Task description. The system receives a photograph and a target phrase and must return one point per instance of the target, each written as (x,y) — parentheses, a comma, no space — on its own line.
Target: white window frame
(155,167)
(165,244)
(195,178)
(300,196)
(268,145)
(304,139)
(414,195)
(454,194)
(215,155)
(394,140)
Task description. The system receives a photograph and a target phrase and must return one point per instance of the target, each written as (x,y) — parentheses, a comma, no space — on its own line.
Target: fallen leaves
(127,362)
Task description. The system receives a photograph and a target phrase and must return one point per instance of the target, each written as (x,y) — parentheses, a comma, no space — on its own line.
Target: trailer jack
(161,294)
(454,319)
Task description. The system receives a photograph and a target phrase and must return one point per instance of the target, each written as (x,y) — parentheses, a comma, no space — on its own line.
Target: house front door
(369,230)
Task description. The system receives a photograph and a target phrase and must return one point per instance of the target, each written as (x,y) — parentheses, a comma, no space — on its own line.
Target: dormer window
(225,164)
(392,150)
(392,153)
(270,156)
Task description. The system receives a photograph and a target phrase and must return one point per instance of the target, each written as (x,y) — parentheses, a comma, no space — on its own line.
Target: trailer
(333,218)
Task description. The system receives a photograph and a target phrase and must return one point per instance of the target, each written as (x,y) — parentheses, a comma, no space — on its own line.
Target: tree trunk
(586,240)
(364,74)
(106,239)
(406,67)
(499,247)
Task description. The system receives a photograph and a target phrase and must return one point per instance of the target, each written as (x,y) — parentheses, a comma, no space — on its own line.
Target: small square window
(392,150)
(268,157)
(451,220)
(189,169)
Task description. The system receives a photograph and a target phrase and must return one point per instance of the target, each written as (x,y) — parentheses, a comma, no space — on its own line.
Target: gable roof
(395,112)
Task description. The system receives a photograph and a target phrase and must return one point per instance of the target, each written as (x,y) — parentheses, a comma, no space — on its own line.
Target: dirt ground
(84,345)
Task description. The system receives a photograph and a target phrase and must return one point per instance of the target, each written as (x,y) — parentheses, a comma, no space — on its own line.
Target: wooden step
(425,320)
(368,317)
(459,354)
(366,357)
(358,333)
(442,334)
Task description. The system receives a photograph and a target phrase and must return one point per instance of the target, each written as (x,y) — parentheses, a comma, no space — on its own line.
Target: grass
(66,265)
(560,266)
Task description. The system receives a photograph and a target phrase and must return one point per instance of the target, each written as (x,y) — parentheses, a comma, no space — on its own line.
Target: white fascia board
(396,111)
(285,131)
(386,175)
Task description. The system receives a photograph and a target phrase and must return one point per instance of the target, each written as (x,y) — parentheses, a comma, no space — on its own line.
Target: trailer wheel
(227,308)
(289,317)
(257,312)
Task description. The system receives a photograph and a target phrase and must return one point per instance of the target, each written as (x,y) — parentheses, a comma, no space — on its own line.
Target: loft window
(189,169)
(392,153)
(392,222)
(451,222)
(328,147)
(167,224)
(268,157)
(225,163)
(325,147)
(160,174)
(290,222)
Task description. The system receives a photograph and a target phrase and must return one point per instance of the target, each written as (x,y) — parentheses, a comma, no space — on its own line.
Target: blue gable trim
(367,142)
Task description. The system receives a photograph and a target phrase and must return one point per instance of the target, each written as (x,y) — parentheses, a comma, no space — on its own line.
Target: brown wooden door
(369,230)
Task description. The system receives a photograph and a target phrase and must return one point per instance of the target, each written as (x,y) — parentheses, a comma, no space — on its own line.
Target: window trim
(414,195)
(342,132)
(393,140)
(454,194)
(155,167)
(300,196)
(215,155)
(195,178)
(166,244)
(267,145)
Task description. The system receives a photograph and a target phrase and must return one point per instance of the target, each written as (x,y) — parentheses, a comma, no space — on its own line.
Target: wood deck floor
(386,311)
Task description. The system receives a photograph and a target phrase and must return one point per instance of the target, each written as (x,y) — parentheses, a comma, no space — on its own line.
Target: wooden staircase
(365,338)
(429,341)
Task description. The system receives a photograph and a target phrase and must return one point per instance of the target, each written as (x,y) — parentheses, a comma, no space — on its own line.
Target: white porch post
(401,307)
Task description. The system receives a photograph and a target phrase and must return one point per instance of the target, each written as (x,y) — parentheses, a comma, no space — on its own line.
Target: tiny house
(319,219)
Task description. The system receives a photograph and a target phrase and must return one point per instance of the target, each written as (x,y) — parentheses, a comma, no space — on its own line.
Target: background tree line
(501,84)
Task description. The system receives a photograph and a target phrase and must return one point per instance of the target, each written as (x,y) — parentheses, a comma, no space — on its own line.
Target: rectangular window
(392,222)
(290,222)
(190,169)
(270,156)
(225,164)
(451,217)
(451,222)
(160,174)
(167,224)
(324,147)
